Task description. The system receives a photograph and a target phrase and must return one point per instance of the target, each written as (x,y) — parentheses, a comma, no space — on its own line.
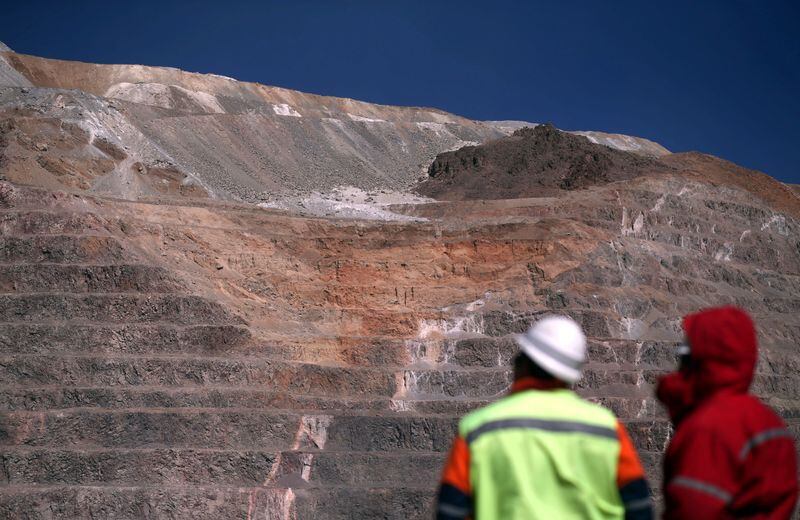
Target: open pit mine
(220,299)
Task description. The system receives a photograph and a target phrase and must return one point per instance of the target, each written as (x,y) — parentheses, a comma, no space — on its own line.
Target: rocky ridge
(544,161)
(132,131)
(537,161)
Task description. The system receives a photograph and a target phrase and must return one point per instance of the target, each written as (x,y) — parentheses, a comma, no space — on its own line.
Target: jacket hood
(724,352)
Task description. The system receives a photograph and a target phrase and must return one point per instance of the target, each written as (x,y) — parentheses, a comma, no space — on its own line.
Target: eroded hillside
(133,131)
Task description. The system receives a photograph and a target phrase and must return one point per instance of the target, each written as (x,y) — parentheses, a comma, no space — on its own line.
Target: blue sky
(718,77)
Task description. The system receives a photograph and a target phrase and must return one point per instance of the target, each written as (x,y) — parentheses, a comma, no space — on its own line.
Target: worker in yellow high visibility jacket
(542,451)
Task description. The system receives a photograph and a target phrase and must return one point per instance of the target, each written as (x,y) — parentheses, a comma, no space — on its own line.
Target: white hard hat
(557,344)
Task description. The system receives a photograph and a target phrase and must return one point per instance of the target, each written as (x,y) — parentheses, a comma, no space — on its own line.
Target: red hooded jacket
(730,456)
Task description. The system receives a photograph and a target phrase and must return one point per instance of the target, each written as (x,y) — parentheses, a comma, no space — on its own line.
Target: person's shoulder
(765,411)
(759,416)
(476,417)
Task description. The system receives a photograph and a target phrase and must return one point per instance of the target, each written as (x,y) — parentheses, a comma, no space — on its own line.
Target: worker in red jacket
(731,456)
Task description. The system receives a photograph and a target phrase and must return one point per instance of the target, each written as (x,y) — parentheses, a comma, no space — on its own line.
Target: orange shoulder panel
(629,467)
(456,470)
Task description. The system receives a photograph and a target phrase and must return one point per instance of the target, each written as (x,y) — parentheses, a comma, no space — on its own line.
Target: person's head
(719,353)
(721,349)
(553,348)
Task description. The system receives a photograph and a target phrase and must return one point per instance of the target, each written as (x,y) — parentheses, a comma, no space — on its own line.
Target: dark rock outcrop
(532,162)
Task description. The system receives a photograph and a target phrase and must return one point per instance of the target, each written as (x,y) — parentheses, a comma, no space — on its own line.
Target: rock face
(206,360)
(544,161)
(196,358)
(531,162)
(9,76)
(214,135)
(625,143)
(228,138)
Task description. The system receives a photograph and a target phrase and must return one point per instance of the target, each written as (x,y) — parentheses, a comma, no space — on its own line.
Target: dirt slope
(232,139)
(220,137)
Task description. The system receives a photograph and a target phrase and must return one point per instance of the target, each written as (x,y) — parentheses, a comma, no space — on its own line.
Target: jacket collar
(534,383)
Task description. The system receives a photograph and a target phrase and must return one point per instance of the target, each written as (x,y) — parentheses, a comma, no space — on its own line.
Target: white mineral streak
(157,94)
(365,119)
(284,109)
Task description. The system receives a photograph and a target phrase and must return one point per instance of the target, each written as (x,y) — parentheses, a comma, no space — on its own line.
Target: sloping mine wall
(210,360)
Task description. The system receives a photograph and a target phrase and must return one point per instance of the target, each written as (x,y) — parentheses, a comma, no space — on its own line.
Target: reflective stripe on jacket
(541,454)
